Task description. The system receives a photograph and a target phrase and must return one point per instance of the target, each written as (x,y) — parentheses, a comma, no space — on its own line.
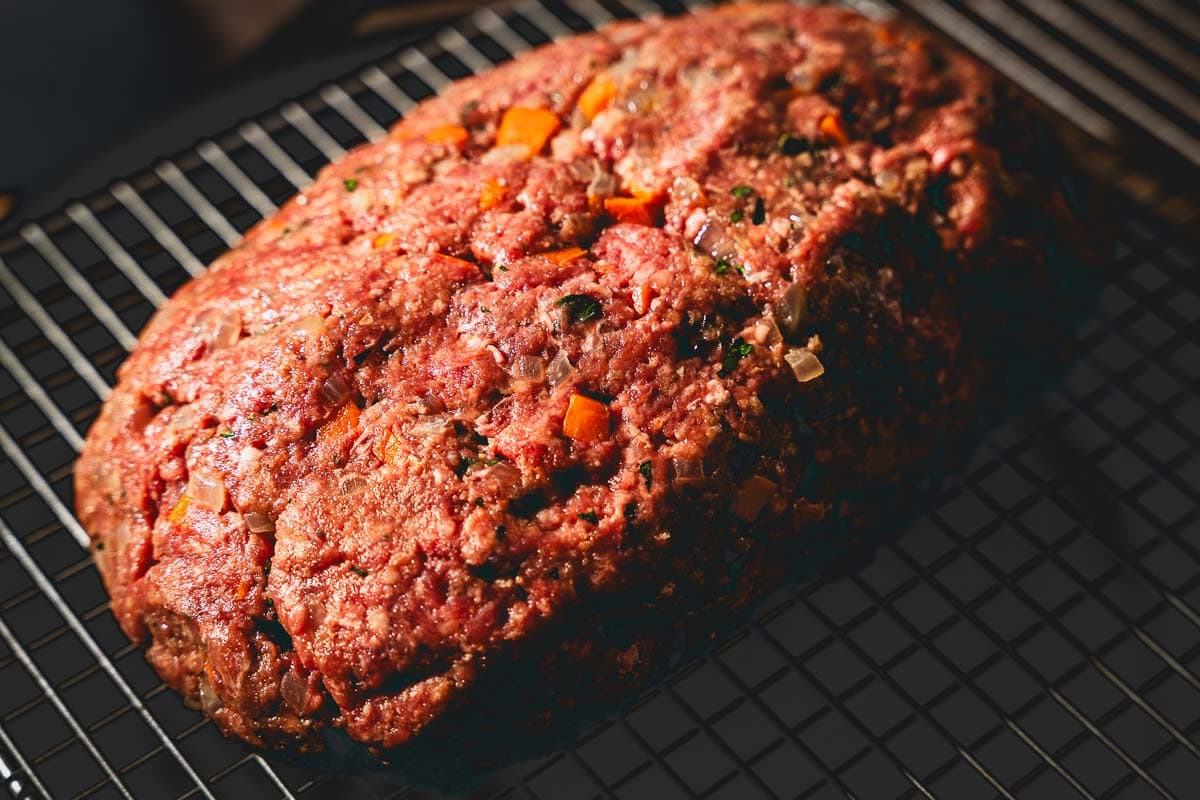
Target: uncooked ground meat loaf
(609,327)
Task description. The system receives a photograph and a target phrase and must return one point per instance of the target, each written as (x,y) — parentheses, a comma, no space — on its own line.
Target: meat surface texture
(608,327)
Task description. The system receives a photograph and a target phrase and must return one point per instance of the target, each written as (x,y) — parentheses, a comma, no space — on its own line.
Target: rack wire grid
(1034,634)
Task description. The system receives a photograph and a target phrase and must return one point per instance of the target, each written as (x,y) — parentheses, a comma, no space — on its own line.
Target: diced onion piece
(505,476)
(766,332)
(179,510)
(753,496)
(206,489)
(294,691)
(313,326)
(560,369)
(603,185)
(793,309)
(429,403)
(210,701)
(887,180)
(335,390)
(805,366)
(430,426)
(505,154)
(687,470)
(228,331)
(687,192)
(587,420)
(714,240)
(353,485)
(528,368)
(258,522)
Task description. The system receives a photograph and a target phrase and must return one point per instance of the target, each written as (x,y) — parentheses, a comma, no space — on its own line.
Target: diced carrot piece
(642,296)
(531,127)
(179,511)
(634,210)
(393,449)
(563,256)
(448,135)
(491,195)
(597,96)
(831,126)
(452,260)
(586,420)
(382,240)
(343,424)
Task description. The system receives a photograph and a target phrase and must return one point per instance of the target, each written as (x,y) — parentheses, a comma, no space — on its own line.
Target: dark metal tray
(1034,634)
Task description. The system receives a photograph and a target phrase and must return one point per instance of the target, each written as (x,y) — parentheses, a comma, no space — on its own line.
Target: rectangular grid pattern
(1035,634)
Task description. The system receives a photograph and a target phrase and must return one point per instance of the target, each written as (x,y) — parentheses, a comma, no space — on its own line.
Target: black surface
(1034,633)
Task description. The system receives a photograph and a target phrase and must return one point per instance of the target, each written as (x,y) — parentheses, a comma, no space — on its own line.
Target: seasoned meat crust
(623,318)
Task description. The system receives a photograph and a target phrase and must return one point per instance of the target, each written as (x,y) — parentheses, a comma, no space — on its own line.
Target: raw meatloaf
(601,333)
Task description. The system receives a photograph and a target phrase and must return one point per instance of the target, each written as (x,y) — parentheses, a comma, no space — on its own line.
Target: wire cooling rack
(1035,634)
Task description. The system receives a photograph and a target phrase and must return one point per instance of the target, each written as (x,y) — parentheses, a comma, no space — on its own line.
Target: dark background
(90,88)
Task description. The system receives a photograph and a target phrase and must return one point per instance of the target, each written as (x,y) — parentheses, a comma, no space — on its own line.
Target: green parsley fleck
(357,570)
(647,472)
(723,266)
(226,434)
(789,145)
(736,216)
(503,268)
(734,353)
(479,502)
(590,516)
(760,212)
(351,184)
(580,307)
(99,544)
(742,191)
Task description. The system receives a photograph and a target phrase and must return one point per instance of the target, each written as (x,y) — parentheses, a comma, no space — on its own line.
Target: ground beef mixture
(594,334)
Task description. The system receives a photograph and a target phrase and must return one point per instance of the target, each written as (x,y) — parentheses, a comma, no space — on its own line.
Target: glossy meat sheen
(331,487)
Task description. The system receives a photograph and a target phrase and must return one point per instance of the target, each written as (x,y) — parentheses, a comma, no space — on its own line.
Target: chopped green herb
(226,434)
(789,181)
(742,191)
(736,216)
(647,472)
(286,231)
(479,502)
(267,567)
(760,212)
(580,307)
(351,184)
(100,544)
(723,266)
(359,571)
(734,353)
(792,145)
(590,516)
(503,268)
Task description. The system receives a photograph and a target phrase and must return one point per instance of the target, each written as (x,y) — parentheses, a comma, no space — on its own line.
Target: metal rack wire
(1035,634)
